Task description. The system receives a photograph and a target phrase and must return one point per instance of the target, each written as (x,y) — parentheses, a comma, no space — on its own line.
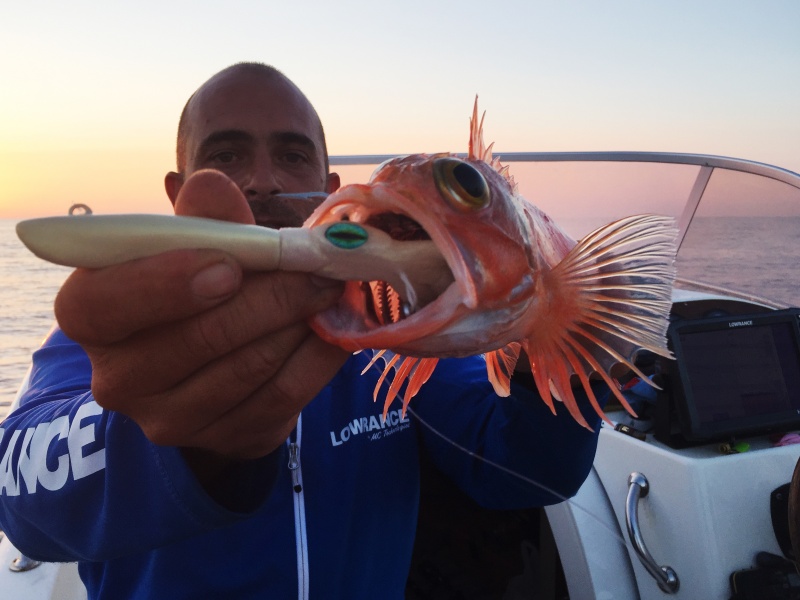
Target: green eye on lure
(346,235)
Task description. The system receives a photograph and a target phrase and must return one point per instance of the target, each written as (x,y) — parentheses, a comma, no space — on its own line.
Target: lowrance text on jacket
(26,465)
(374,426)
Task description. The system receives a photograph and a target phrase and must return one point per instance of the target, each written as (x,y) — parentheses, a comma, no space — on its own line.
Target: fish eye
(461,184)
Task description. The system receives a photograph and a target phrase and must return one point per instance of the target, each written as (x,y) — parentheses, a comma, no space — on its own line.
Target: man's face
(263,134)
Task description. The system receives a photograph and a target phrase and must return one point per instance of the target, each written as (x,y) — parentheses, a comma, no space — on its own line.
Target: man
(161,442)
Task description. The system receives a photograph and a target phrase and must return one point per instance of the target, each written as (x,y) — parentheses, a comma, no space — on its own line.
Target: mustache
(284,210)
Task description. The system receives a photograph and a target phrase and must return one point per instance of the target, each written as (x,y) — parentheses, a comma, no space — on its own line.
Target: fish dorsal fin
(478,150)
(477,147)
(614,298)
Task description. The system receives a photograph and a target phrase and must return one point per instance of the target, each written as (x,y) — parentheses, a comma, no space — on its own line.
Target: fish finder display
(738,375)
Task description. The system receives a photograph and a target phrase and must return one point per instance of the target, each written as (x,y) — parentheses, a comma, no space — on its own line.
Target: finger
(159,358)
(262,421)
(238,402)
(171,415)
(211,194)
(103,306)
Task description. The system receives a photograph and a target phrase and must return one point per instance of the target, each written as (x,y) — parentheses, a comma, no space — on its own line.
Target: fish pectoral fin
(500,365)
(618,281)
(552,366)
(611,298)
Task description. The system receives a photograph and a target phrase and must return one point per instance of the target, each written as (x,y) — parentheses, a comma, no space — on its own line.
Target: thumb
(211,194)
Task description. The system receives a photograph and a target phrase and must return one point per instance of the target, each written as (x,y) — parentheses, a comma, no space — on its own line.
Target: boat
(689,499)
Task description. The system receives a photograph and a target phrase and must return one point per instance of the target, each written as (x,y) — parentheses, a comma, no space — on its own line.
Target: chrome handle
(665,576)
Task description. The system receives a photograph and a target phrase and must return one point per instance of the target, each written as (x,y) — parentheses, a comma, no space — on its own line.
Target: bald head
(247,73)
(253,124)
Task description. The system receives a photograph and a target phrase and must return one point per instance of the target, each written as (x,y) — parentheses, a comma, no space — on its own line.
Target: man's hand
(196,352)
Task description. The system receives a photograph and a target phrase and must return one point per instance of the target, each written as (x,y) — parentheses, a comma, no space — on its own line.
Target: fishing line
(615,533)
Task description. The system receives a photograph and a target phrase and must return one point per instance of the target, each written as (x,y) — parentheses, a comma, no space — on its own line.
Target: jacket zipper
(301,540)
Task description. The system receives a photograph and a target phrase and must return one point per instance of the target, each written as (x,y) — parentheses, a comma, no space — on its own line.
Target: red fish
(518,282)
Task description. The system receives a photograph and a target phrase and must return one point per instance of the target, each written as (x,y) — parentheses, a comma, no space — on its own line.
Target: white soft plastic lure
(343,251)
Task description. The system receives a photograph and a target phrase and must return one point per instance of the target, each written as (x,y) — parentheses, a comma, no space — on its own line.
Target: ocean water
(756,255)
(760,256)
(27,289)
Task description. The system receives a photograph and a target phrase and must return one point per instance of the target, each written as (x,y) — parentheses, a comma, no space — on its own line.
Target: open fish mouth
(382,302)
(378,303)
(399,226)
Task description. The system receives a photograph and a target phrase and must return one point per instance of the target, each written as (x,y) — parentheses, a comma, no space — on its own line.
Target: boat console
(691,499)
(733,376)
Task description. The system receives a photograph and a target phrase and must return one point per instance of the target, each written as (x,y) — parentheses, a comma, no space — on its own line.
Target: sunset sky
(90,92)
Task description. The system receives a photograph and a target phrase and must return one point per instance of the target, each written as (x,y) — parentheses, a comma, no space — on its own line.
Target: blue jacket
(78,483)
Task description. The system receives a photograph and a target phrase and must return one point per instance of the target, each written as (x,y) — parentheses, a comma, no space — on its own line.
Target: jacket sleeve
(81,483)
(504,452)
